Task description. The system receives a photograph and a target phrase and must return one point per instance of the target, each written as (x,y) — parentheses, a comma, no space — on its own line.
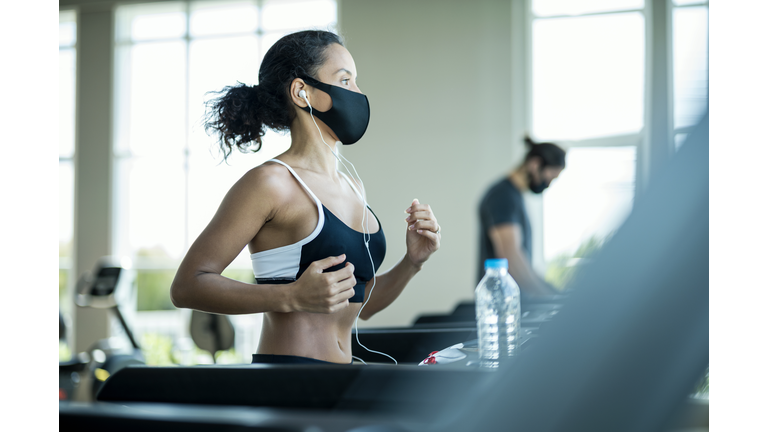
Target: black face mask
(539,187)
(349,114)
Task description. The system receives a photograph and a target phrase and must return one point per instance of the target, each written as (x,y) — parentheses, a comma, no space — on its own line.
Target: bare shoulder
(259,192)
(268,181)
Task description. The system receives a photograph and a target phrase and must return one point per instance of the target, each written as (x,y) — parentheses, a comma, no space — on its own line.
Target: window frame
(161,321)
(649,157)
(682,130)
(67,263)
(536,204)
(120,155)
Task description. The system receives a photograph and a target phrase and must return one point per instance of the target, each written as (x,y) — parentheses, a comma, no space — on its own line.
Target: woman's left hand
(422,238)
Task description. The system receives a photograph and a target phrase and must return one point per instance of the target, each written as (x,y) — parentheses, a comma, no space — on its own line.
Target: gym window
(589,73)
(169,178)
(67,61)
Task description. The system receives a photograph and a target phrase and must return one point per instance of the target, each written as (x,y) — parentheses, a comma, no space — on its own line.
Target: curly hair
(241,114)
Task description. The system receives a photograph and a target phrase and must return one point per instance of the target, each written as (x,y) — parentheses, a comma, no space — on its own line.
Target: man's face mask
(537,187)
(349,114)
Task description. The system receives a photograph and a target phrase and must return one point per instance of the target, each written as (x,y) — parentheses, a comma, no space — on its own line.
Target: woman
(315,244)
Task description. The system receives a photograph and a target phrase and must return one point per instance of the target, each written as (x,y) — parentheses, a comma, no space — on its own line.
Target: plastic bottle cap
(496,263)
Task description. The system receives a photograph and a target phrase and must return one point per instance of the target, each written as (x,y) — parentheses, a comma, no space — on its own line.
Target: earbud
(367,234)
(303,94)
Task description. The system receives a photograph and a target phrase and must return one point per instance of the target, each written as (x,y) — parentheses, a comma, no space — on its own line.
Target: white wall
(437,74)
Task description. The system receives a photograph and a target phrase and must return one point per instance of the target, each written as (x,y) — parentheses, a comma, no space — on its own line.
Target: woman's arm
(254,200)
(422,240)
(324,293)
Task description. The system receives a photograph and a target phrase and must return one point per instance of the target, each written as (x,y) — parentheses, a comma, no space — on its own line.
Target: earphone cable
(366,231)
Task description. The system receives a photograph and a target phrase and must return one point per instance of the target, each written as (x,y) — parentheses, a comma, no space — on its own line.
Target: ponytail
(550,154)
(529,143)
(236,116)
(241,114)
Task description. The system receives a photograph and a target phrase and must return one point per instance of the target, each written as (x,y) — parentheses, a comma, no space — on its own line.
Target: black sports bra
(331,237)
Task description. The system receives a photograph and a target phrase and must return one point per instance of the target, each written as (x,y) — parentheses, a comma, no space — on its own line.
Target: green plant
(160,350)
(64,352)
(153,286)
(154,290)
(229,356)
(702,388)
(561,270)
(65,251)
(63,275)
(157,349)
(242,275)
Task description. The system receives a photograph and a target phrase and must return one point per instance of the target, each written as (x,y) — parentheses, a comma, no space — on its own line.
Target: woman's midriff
(314,335)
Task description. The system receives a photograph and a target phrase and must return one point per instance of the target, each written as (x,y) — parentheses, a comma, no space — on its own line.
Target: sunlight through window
(168,178)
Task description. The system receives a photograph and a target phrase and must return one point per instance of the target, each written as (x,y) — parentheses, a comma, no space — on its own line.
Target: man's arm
(507,240)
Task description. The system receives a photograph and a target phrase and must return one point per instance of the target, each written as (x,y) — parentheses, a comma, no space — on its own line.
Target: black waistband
(357,298)
(275,281)
(289,359)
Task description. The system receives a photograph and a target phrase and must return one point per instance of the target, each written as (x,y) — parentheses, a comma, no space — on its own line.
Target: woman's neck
(309,152)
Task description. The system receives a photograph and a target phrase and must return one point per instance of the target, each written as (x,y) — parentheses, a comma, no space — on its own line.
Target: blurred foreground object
(631,342)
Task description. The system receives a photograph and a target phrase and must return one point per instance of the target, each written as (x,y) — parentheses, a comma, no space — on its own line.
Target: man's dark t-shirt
(502,204)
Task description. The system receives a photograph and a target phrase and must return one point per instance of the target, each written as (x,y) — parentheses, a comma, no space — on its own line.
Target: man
(505,228)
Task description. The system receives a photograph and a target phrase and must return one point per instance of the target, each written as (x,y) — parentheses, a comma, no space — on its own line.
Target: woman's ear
(297,87)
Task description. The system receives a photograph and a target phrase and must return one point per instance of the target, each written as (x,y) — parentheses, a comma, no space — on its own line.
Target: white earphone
(367,233)
(303,94)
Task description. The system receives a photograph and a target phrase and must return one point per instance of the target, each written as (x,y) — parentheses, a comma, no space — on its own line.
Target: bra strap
(304,185)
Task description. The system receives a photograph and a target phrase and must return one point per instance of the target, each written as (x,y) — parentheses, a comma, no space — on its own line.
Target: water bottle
(497,309)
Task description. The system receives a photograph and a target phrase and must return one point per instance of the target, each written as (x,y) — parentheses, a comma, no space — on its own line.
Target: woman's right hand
(319,292)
